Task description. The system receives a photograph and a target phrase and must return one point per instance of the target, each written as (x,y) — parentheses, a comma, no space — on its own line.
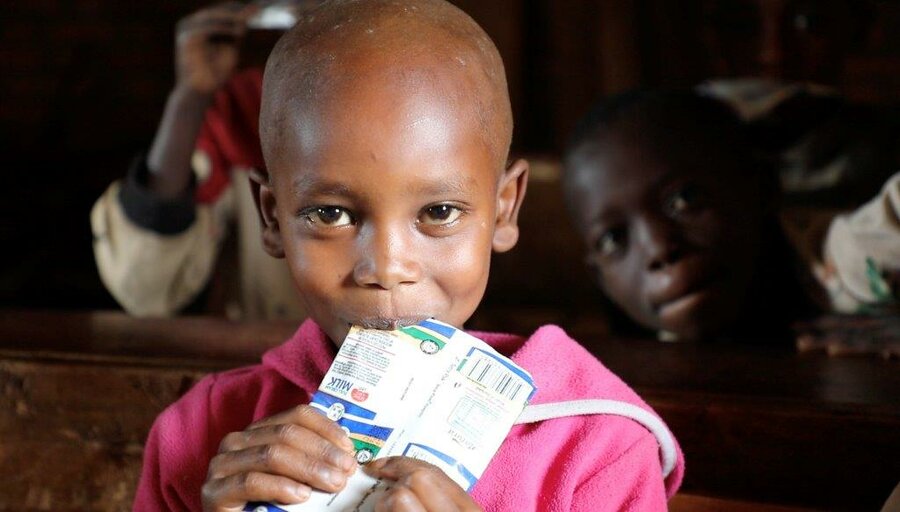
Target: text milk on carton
(427,391)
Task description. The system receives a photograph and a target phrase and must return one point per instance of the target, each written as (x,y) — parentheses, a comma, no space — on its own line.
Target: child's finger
(211,15)
(310,418)
(433,489)
(222,9)
(247,11)
(232,14)
(292,435)
(399,499)
(214,21)
(235,491)
(280,460)
(397,468)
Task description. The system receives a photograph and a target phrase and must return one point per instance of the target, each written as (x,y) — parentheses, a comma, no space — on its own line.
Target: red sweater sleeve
(229,136)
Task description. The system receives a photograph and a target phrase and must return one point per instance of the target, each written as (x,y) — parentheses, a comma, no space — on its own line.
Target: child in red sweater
(386,128)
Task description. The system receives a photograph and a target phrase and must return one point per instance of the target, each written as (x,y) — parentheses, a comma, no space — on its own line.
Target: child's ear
(263,195)
(510,194)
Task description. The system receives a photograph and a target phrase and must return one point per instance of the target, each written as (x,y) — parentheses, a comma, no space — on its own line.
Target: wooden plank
(113,337)
(72,434)
(767,424)
(784,452)
(746,371)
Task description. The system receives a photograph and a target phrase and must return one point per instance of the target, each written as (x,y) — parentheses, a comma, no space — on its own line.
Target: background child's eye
(610,242)
(684,199)
(332,216)
(440,214)
(809,19)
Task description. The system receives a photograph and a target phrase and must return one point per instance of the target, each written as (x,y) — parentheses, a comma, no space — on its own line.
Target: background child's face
(780,39)
(673,241)
(386,202)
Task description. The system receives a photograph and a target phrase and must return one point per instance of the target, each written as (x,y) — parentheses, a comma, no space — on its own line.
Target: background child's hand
(849,335)
(207,44)
(279,459)
(419,486)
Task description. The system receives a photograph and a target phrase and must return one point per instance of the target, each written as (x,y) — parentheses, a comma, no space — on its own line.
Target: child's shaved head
(345,47)
(386,127)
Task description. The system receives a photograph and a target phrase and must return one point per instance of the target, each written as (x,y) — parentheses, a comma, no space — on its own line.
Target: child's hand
(207,46)
(279,459)
(849,335)
(419,486)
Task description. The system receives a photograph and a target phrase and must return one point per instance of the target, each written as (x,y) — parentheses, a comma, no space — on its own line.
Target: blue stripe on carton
(440,328)
(449,460)
(326,400)
(368,429)
(258,506)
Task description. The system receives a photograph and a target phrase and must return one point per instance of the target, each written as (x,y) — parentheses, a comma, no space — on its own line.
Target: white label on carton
(427,391)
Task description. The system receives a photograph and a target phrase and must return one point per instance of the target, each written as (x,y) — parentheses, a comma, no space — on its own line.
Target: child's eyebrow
(601,218)
(310,186)
(307,185)
(442,187)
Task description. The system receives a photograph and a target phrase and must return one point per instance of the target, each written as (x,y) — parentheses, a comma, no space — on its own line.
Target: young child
(386,127)
(162,235)
(680,218)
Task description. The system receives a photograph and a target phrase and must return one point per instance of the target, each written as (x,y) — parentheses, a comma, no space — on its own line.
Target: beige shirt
(152,274)
(861,248)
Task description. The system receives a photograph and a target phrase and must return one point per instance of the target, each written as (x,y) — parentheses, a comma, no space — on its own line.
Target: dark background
(82,86)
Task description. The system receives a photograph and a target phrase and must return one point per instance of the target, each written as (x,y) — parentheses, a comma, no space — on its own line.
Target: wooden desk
(78,392)
(770,425)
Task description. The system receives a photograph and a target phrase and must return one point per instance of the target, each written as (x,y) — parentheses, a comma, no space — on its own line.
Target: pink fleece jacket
(577,463)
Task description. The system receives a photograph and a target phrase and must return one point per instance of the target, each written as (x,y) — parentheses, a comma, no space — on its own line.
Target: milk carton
(427,391)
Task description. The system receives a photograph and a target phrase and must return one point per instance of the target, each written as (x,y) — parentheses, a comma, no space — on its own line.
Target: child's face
(672,242)
(387,204)
(780,39)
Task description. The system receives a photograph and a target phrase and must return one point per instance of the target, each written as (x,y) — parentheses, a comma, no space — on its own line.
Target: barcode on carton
(488,371)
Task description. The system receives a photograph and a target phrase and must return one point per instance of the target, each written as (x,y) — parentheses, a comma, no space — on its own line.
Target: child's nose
(387,258)
(660,241)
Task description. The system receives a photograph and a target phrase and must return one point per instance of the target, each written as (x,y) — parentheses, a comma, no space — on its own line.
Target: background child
(184,207)
(386,129)
(680,217)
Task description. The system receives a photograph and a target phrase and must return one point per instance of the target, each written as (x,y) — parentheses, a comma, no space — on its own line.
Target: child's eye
(610,242)
(440,214)
(684,199)
(332,216)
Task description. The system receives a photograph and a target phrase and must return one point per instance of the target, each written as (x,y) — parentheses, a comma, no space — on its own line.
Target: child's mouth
(674,289)
(387,323)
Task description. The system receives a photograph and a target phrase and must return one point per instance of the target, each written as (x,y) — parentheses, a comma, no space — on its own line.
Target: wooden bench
(761,429)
